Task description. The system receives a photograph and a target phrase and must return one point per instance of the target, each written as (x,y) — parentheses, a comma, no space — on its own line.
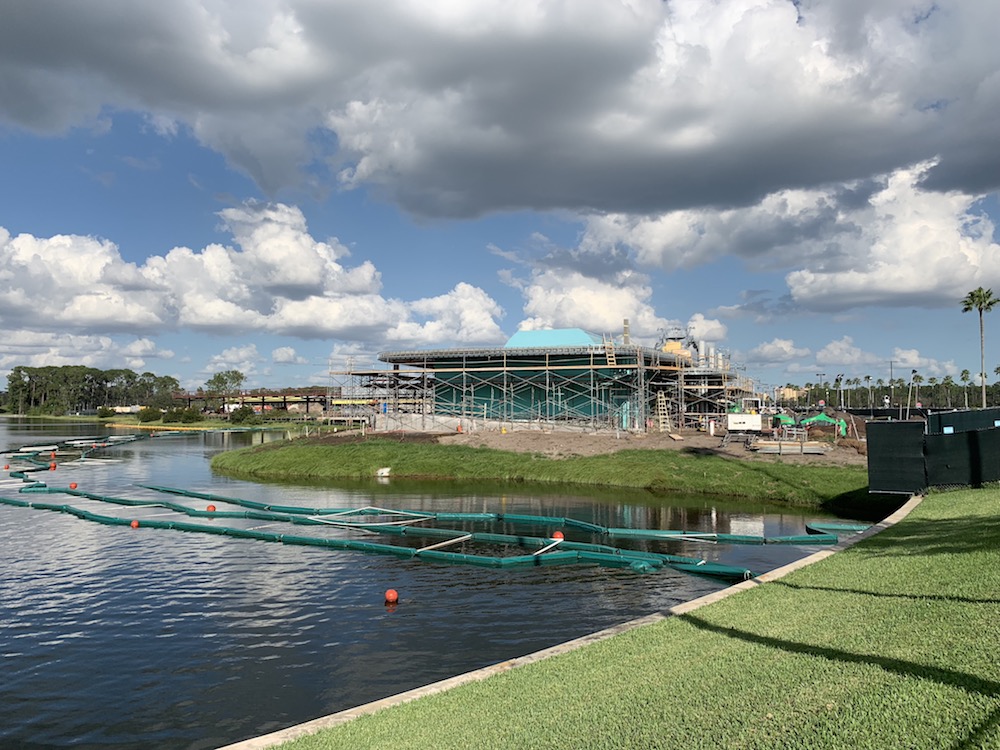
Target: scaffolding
(608,386)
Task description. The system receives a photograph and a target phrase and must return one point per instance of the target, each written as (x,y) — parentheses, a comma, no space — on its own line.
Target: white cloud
(465,315)
(776,351)
(705,329)
(638,107)
(243,358)
(278,279)
(74,283)
(52,349)
(287,355)
(558,298)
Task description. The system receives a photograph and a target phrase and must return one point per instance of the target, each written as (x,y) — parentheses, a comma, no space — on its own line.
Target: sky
(289,187)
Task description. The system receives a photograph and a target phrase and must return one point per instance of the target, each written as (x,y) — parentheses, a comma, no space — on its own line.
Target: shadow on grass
(947,677)
(883,595)
(978,736)
(937,536)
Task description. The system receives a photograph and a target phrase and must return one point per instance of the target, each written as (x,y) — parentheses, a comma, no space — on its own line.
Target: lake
(113,637)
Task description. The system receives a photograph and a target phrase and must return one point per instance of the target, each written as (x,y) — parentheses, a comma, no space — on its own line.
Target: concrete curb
(332,720)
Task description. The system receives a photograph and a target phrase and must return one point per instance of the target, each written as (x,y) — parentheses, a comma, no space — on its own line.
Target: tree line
(75,388)
(867,392)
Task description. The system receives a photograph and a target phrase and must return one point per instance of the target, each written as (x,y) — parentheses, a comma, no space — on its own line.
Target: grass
(656,471)
(891,643)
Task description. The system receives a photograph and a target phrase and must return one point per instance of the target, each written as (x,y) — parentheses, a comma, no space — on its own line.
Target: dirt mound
(557,444)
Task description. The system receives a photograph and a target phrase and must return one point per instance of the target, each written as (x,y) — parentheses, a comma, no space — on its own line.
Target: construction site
(558,379)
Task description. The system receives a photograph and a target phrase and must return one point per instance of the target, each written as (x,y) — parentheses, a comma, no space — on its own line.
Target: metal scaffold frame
(587,388)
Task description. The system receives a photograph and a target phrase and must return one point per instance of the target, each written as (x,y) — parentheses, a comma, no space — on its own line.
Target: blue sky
(278,185)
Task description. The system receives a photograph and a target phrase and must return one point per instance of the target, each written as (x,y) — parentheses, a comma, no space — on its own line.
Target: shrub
(190,415)
(148,414)
(105,412)
(244,415)
(172,415)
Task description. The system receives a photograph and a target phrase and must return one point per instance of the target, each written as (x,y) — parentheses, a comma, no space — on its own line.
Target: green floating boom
(814,537)
(549,551)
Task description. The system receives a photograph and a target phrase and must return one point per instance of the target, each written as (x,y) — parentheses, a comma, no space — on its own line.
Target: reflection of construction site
(553,379)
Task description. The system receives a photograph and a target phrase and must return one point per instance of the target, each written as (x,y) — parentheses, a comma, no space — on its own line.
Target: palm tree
(932,382)
(981,300)
(917,380)
(964,377)
(948,382)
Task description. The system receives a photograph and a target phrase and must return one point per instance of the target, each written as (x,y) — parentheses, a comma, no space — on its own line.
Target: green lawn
(892,643)
(656,471)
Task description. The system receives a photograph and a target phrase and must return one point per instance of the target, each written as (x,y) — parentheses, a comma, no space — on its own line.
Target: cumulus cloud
(569,299)
(847,147)
(287,355)
(639,107)
(465,315)
(277,279)
(881,242)
(844,353)
(73,283)
(705,329)
(52,349)
(243,358)
(776,351)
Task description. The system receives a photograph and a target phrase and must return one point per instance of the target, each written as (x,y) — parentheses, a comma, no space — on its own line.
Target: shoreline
(315,726)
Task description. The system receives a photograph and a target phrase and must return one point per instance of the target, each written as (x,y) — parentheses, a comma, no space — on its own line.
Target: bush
(105,412)
(172,415)
(244,415)
(190,415)
(148,414)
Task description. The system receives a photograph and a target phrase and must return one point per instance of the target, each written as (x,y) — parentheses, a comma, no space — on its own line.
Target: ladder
(662,412)
(609,350)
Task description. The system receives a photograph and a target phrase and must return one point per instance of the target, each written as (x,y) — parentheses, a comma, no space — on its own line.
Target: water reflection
(137,638)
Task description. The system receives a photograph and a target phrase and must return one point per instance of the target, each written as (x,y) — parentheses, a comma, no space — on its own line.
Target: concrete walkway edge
(325,722)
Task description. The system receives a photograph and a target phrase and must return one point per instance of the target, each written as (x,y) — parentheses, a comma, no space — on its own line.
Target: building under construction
(551,379)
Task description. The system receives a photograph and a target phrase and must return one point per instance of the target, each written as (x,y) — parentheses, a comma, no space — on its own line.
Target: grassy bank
(891,643)
(657,471)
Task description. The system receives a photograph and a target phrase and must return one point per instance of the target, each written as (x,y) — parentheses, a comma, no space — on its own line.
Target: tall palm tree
(981,300)
(948,382)
(964,377)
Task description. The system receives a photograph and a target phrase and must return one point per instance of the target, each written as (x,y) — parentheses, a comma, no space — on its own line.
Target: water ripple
(145,638)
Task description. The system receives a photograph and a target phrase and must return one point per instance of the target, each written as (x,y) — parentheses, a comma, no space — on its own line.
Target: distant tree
(916,379)
(948,383)
(225,384)
(982,301)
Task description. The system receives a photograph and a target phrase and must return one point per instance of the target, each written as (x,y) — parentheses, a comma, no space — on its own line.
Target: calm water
(120,638)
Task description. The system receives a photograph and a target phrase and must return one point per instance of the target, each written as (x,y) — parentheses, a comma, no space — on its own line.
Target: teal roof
(552,338)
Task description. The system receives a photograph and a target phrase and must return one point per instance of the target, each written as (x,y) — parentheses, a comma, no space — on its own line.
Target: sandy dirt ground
(554,444)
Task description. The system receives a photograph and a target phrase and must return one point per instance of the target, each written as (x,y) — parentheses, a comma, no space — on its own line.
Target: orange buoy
(52,466)
(52,455)
(6,466)
(210,509)
(391,596)
(134,524)
(72,485)
(459,428)
(557,535)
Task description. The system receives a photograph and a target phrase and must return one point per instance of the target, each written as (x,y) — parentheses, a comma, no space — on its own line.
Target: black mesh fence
(948,422)
(903,459)
(896,457)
